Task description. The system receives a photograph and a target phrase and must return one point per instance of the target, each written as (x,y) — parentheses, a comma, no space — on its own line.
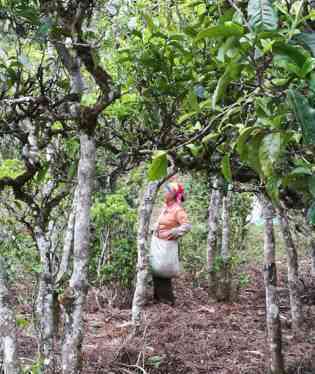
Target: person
(171,225)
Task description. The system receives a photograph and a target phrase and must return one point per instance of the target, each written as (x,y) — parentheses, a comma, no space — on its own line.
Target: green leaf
(301,170)
(241,145)
(226,168)
(284,63)
(192,101)
(294,53)
(225,30)
(194,149)
(272,187)
(219,91)
(311,185)
(251,156)
(158,34)
(307,40)
(158,166)
(269,152)
(149,22)
(42,173)
(263,107)
(232,72)
(296,182)
(27,10)
(307,67)
(57,126)
(22,322)
(185,117)
(311,214)
(205,104)
(155,361)
(262,15)
(311,82)
(304,114)
(227,15)
(210,137)
(11,168)
(267,45)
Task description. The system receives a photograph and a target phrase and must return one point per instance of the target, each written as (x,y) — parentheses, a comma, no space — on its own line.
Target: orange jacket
(173,217)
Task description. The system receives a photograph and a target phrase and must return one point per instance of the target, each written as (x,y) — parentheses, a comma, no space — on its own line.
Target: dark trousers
(163,290)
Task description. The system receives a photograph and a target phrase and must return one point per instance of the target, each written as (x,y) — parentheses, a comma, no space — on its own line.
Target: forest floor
(196,336)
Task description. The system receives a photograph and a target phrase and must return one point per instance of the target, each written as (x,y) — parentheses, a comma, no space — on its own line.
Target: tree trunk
(68,240)
(145,212)
(243,232)
(45,304)
(224,276)
(311,4)
(225,248)
(75,295)
(7,327)
(293,271)
(105,234)
(213,219)
(270,278)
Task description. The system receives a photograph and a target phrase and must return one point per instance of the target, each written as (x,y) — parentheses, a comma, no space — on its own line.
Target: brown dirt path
(196,336)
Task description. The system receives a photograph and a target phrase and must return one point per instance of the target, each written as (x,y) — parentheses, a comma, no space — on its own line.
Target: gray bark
(104,253)
(45,299)
(45,304)
(293,271)
(73,65)
(75,294)
(145,212)
(68,240)
(311,4)
(7,327)
(213,221)
(225,245)
(224,275)
(274,334)
(30,150)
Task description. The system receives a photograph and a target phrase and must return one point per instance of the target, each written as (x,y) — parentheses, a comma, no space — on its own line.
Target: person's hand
(173,235)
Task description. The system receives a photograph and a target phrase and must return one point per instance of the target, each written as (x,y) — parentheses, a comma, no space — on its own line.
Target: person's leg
(163,290)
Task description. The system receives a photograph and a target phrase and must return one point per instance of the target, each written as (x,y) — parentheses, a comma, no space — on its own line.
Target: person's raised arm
(184,224)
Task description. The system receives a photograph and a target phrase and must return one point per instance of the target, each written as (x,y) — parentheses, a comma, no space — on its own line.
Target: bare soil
(196,336)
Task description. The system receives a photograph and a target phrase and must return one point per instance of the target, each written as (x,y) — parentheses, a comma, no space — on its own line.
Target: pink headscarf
(178,189)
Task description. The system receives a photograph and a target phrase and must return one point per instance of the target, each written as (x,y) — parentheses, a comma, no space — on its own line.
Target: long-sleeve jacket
(172,221)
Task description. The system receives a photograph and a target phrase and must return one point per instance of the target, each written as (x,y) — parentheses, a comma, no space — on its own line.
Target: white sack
(163,257)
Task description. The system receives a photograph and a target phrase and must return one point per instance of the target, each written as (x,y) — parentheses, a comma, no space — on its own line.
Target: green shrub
(121,266)
(115,219)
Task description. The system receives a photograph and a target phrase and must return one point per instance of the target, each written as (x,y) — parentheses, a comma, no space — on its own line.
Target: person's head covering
(177,189)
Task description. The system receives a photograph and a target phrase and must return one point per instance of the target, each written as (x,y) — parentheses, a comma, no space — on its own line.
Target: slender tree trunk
(243,236)
(68,240)
(212,250)
(225,247)
(45,304)
(105,234)
(293,271)
(311,4)
(7,327)
(224,276)
(145,212)
(270,278)
(75,294)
